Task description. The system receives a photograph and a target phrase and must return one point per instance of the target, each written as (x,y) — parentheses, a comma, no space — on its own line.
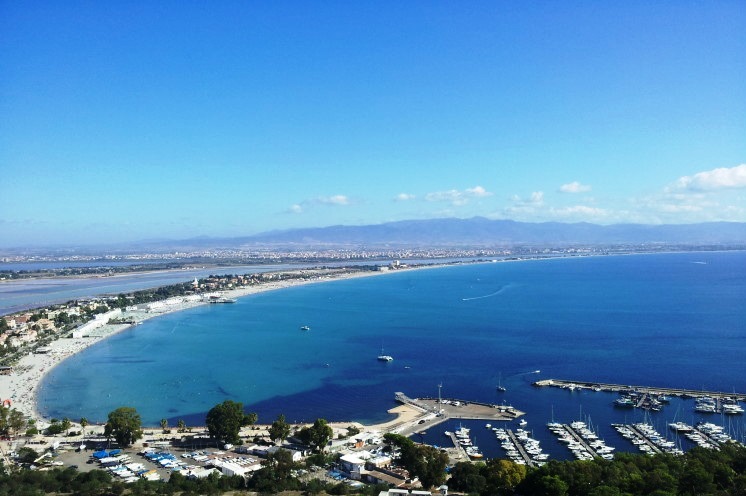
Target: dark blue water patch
(655,320)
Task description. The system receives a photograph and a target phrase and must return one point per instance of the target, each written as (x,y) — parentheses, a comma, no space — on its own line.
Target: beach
(20,386)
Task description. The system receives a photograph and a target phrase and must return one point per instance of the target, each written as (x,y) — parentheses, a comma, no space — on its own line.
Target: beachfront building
(99,321)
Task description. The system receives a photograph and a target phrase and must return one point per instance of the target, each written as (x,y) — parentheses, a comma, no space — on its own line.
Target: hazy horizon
(130,121)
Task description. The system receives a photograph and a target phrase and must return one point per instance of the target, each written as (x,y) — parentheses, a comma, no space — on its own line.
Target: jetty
(459,449)
(521,449)
(461,409)
(579,439)
(643,436)
(618,388)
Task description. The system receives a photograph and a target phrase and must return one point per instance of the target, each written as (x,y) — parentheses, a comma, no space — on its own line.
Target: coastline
(21,386)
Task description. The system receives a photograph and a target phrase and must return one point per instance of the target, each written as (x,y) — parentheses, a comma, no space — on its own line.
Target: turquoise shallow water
(665,319)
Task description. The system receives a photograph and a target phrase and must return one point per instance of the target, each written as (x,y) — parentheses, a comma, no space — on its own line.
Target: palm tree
(83,424)
(66,424)
(181,425)
(164,424)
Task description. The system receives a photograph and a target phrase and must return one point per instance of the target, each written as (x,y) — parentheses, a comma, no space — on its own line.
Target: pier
(580,440)
(706,436)
(521,449)
(644,438)
(460,449)
(601,386)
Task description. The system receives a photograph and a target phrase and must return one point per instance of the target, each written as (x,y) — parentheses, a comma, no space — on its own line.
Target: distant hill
(481,232)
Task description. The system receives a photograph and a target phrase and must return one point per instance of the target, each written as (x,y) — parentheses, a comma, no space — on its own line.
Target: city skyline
(128,121)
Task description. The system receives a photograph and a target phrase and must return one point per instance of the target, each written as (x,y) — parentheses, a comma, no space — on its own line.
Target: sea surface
(676,320)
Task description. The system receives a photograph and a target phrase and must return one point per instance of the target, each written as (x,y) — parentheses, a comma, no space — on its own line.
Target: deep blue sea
(675,320)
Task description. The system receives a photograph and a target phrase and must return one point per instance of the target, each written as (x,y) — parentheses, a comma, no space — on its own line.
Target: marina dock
(460,449)
(520,448)
(643,436)
(580,440)
(616,388)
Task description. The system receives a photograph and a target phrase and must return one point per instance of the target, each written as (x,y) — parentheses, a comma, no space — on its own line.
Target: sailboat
(384,358)
(500,386)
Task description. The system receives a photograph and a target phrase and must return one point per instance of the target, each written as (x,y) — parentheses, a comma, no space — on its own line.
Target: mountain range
(482,232)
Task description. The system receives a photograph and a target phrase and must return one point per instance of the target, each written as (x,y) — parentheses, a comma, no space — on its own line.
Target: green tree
(316,436)
(66,424)
(275,474)
(181,425)
(503,475)
(279,430)
(124,425)
(4,325)
(224,421)
(27,455)
(164,424)
(551,485)
(466,477)
(431,466)
(14,421)
(425,462)
(62,319)
(55,428)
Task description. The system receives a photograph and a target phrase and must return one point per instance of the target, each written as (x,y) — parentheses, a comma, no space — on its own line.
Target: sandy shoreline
(21,386)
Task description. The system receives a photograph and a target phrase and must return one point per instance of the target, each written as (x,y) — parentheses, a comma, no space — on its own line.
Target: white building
(99,321)
(297,455)
(353,465)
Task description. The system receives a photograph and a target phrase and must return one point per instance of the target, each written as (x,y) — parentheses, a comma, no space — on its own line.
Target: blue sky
(137,120)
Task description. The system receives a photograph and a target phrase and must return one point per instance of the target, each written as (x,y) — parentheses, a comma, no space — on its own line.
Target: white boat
(522,422)
(384,358)
(500,386)
(305,328)
(680,427)
(732,409)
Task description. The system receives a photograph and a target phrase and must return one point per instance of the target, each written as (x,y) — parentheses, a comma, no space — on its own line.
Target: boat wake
(487,295)
(526,373)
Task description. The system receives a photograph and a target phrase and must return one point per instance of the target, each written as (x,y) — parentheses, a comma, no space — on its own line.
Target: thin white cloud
(333,200)
(723,177)
(404,197)
(456,197)
(574,187)
(523,207)
(477,192)
(536,199)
